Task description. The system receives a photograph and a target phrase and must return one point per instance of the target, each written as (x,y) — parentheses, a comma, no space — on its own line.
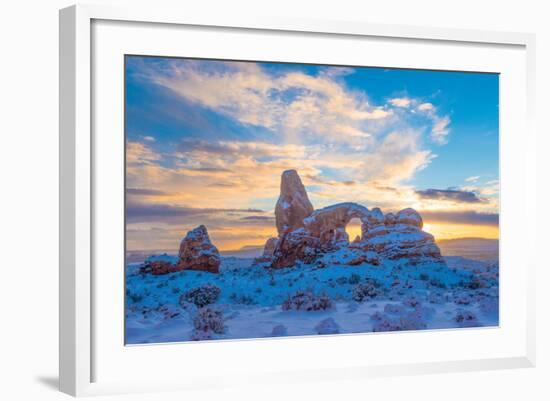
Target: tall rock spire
(293,204)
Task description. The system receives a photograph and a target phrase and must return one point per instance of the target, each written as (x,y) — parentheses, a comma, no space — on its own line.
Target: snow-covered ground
(250,301)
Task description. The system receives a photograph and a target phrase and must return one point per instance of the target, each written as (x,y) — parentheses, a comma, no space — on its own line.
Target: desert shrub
(412,301)
(466,318)
(279,330)
(436,282)
(201,296)
(377,316)
(307,301)
(209,320)
(410,321)
(135,297)
(327,326)
(354,279)
(365,291)
(462,299)
(475,284)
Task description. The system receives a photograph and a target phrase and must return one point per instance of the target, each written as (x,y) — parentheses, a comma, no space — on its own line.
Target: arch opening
(353,229)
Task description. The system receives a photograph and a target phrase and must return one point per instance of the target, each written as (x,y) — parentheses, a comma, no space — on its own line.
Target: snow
(394,296)
(352,207)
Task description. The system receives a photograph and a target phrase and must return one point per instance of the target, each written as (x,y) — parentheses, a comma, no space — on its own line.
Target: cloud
(440,123)
(291,103)
(460,217)
(145,192)
(401,102)
(440,129)
(453,195)
(239,148)
(397,158)
(138,153)
(345,147)
(172,214)
(149,138)
(426,107)
(259,218)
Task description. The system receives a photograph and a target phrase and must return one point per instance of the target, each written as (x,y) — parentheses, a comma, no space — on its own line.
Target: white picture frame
(78,156)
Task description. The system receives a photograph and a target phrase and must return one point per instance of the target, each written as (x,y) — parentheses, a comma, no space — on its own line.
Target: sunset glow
(207,141)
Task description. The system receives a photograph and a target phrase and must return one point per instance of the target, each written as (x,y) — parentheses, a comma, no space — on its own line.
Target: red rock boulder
(198,253)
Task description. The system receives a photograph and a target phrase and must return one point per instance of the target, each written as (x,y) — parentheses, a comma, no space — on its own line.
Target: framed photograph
(354,198)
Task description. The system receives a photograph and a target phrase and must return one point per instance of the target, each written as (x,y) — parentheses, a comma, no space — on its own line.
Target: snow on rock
(409,217)
(158,267)
(293,204)
(198,253)
(306,234)
(329,224)
(403,240)
(269,248)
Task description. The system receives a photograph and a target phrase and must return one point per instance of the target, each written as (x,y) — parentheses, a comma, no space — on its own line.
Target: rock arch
(304,233)
(329,224)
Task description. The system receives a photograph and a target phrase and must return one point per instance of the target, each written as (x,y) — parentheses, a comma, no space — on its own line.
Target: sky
(207,141)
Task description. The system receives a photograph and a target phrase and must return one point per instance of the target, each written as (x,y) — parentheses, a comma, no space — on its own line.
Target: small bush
(327,326)
(354,279)
(435,282)
(209,320)
(279,330)
(466,319)
(366,291)
(135,297)
(307,301)
(201,296)
(412,301)
(410,321)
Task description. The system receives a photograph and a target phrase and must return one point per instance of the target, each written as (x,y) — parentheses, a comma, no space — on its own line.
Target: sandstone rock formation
(158,267)
(269,248)
(402,240)
(198,253)
(305,234)
(293,204)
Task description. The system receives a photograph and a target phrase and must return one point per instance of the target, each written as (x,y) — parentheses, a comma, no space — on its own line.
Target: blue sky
(207,141)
